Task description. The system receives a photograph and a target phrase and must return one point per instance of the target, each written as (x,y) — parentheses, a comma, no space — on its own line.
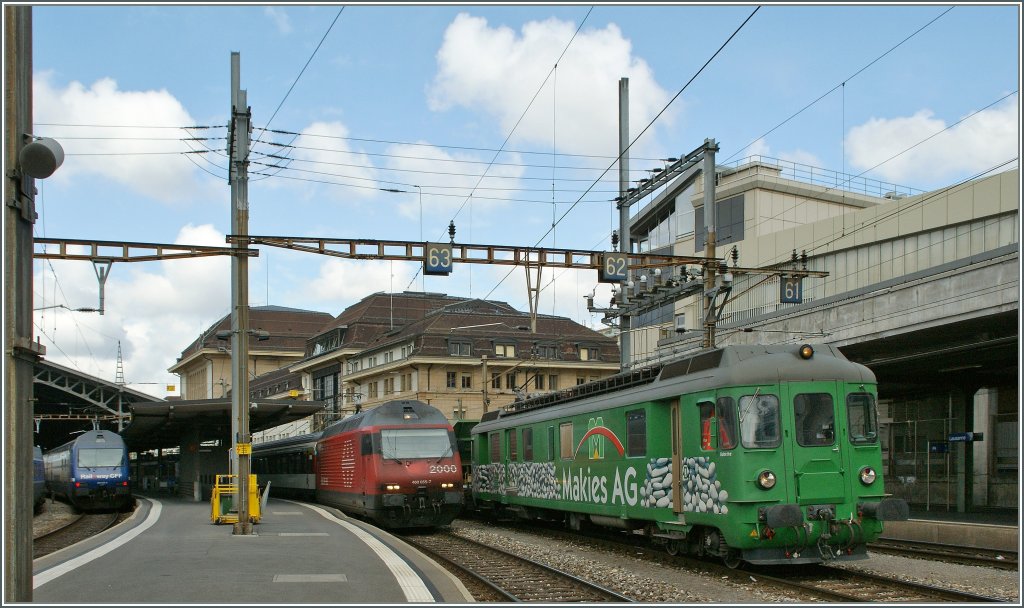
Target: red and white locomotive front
(418,476)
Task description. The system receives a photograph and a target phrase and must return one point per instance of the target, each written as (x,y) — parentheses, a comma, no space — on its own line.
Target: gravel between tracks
(655,583)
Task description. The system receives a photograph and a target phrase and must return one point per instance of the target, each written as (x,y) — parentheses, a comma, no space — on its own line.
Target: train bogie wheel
(672,547)
(575,522)
(732,559)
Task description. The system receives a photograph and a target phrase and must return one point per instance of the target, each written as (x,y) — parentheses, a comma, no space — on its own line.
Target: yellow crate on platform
(224,502)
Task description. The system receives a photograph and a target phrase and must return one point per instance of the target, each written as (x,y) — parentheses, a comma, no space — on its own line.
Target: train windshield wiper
(446,453)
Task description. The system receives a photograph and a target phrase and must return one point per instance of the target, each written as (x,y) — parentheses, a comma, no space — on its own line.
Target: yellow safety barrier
(224,501)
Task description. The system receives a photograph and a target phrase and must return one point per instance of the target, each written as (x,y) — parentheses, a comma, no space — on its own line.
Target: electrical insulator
(615,239)
(803,259)
(735,256)
(451,233)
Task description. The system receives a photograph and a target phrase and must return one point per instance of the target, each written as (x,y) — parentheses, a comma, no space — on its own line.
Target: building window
(580,381)
(546,352)
(406,382)
(371,390)
(372,362)
(495,380)
(565,440)
(510,380)
(389,357)
(553,382)
(389,386)
(467,381)
(459,349)
(588,353)
(450,379)
(538,382)
(504,350)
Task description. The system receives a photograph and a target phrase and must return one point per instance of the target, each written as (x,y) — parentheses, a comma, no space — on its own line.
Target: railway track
(494,575)
(837,584)
(76,530)
(991,558)
(818,581)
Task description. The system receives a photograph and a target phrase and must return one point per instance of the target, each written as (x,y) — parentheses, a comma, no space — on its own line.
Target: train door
(677,455)
(816,457)
(511,455)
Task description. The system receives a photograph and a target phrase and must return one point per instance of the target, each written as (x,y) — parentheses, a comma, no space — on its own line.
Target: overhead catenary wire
(841,84)
(644,130)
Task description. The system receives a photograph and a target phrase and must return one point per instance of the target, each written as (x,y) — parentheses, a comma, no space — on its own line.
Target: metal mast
(238,177)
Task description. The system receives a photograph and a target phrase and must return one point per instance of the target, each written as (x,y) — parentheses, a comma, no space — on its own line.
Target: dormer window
(504,350)
(460,348)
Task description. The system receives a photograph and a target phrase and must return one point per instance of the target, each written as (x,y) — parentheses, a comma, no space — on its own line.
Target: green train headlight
(766,480)
(867,476)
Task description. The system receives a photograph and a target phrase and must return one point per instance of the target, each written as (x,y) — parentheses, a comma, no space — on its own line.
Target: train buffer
(224,501)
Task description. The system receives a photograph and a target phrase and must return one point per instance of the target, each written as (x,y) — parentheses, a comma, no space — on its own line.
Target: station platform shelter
(182,445)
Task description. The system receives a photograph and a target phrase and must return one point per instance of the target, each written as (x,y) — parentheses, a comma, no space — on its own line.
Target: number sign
(791,290)
(438,259)
(613,268)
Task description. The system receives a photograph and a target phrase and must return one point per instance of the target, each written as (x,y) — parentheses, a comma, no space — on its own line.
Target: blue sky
(426,95)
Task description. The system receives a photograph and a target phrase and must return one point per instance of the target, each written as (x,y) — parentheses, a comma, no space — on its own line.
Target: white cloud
(978,143)
(280,19)
(322,153)
(498,71)
(798,156)
(343,282)
(149,161)
(155,310)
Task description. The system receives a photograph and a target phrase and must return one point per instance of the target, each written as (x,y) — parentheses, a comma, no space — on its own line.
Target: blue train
(38,480)
(90,472)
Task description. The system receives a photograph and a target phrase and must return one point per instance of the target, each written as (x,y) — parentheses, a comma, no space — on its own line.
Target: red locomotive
(396,465)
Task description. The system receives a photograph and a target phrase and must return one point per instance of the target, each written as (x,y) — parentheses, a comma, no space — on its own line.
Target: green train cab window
(861,418)
(759,421)
(815,419)
(708,441)
(725,409)
(636,433)
(528,445)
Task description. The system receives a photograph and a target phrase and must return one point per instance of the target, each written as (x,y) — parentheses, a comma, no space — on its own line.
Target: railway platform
(992,529)
(169,552)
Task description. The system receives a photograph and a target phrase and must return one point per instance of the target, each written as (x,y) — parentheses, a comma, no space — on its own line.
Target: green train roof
(739,365)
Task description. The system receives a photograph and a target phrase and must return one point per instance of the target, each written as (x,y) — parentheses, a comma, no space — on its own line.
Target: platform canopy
(168,424)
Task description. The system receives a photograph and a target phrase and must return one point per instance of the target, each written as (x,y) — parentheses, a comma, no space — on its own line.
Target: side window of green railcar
(759,421)
(860,413)
(725,410)
(815,419)
(565,440)
(528,445)
(636,433)
(494,443)
(551,444)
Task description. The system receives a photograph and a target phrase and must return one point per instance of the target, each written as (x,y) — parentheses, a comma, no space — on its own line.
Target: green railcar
(765,454)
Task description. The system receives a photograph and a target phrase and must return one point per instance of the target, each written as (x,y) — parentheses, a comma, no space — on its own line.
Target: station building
(922,287)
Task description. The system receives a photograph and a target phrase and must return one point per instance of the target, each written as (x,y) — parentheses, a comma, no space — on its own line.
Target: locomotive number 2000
(443,468)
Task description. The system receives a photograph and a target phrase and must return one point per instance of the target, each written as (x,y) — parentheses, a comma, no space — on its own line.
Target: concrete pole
(710,222)
(240,293)
(20,353)
(624,247)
